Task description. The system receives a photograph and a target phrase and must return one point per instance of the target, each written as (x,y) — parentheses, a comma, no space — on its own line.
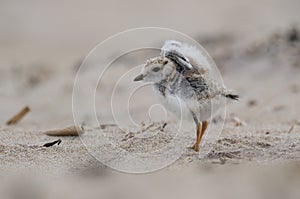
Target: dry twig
(16,118)
(238,122)
(291,129)
(68,131)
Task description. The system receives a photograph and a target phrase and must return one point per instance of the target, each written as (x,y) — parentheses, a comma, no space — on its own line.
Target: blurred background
(255,44)
(61,32)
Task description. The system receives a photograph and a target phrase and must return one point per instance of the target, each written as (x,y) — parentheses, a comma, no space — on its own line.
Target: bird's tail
(232,96)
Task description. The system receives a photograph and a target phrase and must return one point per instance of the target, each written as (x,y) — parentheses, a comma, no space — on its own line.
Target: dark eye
(156,69)
(165,62)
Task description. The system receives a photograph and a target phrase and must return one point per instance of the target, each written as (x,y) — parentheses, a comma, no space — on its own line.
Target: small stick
(238,121)
(291,129)
(52,143)
(16,118)
(68,131)
(160,127)
(103,126)
(148,127)
(163,126)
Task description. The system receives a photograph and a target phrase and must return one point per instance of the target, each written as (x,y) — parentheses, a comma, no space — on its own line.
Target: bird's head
(156,70)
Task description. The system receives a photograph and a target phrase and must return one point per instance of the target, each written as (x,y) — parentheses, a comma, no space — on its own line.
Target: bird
(181,77)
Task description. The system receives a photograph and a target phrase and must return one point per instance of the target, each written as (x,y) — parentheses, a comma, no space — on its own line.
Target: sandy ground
(258,159)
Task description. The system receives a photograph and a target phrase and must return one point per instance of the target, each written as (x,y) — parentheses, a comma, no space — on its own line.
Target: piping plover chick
(183,82)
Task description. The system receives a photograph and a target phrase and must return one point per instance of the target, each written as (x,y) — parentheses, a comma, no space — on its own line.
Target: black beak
(139,78)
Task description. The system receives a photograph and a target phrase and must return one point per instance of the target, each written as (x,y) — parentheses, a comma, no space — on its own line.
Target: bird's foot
(195,147)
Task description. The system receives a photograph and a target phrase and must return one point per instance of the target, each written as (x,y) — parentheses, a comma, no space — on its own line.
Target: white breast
(182,108)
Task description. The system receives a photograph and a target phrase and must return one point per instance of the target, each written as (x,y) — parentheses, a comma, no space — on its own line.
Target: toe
(196,148)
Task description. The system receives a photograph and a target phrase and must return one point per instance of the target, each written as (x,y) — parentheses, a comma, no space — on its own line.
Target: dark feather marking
(178,60)
(197,82)
(162,87)
(232,96)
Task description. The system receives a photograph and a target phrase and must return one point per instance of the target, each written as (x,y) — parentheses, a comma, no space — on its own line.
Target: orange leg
(201,127)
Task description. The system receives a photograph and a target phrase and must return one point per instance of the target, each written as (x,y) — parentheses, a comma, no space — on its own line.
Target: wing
(204,87)
(185,56)
(181,62)
(197,83)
